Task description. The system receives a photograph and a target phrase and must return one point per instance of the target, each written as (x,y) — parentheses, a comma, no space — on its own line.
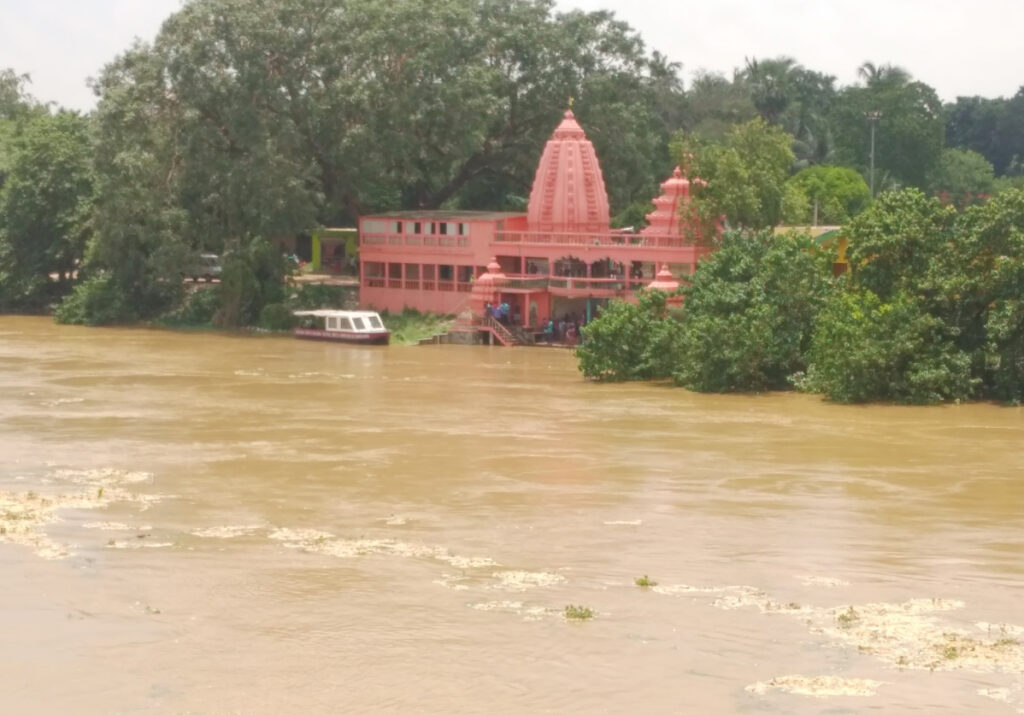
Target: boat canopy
(333,313)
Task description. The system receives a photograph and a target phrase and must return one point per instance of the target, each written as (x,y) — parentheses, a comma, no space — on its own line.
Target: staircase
(505,336)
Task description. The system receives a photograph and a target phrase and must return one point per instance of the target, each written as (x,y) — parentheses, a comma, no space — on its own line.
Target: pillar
(317,250)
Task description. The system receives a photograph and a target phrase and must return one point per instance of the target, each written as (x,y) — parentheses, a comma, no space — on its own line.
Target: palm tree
(875,75)
(770,83)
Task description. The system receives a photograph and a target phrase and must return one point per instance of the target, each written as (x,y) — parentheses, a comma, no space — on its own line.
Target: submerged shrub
(631,341)
(198,309)
(865,350)
(96,301)
(749,313)
(276,316)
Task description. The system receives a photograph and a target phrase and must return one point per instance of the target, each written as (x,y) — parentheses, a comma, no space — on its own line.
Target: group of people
(556,330)
(564,330)
(503,313)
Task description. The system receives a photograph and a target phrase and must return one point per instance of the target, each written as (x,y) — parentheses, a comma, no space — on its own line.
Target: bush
(749,313)
(96,301)
(276,316)
(311,296)
(631,341)
(198,309)
(251,278)
(865,350)
(410,326)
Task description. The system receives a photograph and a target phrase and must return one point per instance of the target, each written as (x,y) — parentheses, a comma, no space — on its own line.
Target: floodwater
(207,523)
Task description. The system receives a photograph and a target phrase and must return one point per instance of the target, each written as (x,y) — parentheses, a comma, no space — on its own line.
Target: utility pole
(873,117)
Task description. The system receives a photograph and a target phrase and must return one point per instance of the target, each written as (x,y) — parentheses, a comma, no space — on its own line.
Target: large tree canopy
(279,114)
(45,209)
(908,122)
(741,178)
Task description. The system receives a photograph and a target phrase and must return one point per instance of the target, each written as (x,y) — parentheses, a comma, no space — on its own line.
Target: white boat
(347,326)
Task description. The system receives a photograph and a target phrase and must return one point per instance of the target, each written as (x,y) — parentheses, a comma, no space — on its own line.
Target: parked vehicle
(207,267)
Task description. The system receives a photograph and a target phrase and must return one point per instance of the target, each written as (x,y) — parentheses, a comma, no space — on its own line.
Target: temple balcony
(430,241)
(574,286)
(611,240)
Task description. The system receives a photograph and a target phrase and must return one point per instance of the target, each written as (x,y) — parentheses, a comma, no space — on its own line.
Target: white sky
(960,48)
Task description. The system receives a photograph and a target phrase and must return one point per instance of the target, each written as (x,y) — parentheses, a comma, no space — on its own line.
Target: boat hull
(343,336)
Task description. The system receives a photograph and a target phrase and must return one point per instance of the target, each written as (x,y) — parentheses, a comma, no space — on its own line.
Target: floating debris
(226,532)
(821,686)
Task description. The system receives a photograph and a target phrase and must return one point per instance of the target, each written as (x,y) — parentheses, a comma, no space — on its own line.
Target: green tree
(977,280)
(749,313)
(742,178)
(934,309)
(252,279)
(973,123)
(17,107)
(894,242)
(867,350)
(630,341)
(714,105)
(874,76)
(45,207)
(141,243)
(771,84)
(832,195)
(961,176)
(909,128)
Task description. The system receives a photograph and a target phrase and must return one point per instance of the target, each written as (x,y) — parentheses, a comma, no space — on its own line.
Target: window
(431,227)
(463,229)
(374,226)
(443,226)
(344,323)
(358,322)
(332,323)
(417,227)
(465,274)
(396,227)
(374,322)
(444,273)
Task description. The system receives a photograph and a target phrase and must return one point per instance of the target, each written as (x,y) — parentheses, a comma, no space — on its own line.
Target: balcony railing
(600,286)
(371,239)
(532,282)
(611,240)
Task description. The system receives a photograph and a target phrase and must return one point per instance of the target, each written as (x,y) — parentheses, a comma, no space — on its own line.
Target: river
(211,523)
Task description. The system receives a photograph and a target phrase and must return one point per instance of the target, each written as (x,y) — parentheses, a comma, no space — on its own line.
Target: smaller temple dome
(664,281)
(487,287)
(667,283)
(666,219)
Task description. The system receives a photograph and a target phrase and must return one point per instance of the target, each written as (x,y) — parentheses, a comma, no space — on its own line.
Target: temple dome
(568,189)
(666,219)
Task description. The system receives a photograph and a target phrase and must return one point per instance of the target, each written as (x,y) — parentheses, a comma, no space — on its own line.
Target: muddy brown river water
(204,523)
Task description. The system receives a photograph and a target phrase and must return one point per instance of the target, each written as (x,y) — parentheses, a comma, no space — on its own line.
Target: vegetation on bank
(202,308)
(932,311)
(411,326)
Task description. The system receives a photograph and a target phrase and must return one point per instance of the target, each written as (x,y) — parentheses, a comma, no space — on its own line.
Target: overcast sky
(960,48)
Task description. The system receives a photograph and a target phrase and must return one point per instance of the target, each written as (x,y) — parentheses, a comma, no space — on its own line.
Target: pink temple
(559,259)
